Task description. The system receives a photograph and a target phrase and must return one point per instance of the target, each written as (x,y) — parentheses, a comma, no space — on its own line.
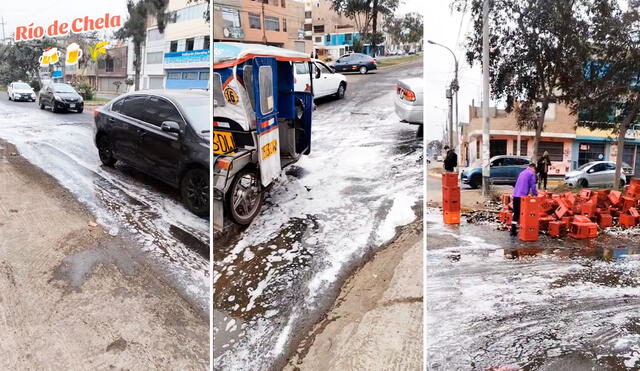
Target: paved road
(493,301)
(128,203)
(274,279)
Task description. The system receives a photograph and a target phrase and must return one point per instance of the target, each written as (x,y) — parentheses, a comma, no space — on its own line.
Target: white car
(408,100)
(326,82)
(21,91)
(597,173)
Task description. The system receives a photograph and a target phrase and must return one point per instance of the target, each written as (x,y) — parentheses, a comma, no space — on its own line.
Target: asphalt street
(274,279)
(126,202)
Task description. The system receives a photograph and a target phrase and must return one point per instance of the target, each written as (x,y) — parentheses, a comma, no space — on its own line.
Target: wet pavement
(274,279)
(556,304)
(124,201)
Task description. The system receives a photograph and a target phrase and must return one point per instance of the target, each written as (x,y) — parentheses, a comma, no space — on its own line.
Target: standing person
(451,159)
(543,169)
(525,184)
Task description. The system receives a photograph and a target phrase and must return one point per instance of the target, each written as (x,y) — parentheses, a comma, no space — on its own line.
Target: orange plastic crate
(451,217)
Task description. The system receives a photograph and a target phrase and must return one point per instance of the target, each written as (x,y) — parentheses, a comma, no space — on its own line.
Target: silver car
(597,173)
(408,100)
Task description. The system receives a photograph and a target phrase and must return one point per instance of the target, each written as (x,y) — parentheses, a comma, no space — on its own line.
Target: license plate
(269,149)
(223,143)
(72,106)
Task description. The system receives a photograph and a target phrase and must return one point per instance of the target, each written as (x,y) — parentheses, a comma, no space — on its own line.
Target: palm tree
(136,27)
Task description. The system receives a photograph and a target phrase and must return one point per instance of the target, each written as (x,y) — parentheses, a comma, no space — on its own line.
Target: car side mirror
(318,73)
(170,127)
(589,171)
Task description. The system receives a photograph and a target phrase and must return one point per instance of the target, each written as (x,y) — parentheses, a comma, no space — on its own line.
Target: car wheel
(41,105)
(194,189)
(363,69)
(341,90)
(622,183)
(475,182)
(9,96)
(583,183)
(244,197)
(105,151)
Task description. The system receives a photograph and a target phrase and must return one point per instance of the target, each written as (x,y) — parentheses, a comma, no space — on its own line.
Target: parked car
(408,100)
(164,134)
(60,97)
(503,170)
(326,81)
(18,91)
(355,62)
(597,174)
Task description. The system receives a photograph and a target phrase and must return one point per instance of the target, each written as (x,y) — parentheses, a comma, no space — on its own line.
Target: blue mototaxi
(260,124)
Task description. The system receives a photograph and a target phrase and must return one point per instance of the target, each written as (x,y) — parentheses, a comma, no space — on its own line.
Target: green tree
(532,45)
(406,29)
(365,14)
(604,90)
(135,27)
(19,61)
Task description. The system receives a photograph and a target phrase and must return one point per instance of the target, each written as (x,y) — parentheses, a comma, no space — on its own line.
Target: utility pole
(486,190)
(3,35)
(264,26)
(449,96)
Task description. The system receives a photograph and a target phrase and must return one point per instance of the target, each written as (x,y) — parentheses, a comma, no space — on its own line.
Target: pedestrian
(525,185)
(543,169)
(450,160)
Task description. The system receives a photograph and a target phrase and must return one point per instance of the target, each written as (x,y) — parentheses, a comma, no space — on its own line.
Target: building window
(318,28)
(307,15)
(254,21)
(271,24)
(154,58)
(174,46)
(347,37)
(328,38)
(207,42)
(283,3)
(189,44)
(108,67)
(307,26)
(555,150)
(154,35)
(284,24)
(204,75)
(588,152)
(523,147)
(318,39)
(189,75)
(174,76)
(189,13)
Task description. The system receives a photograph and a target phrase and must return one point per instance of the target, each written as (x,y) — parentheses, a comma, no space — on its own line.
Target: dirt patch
(71,294)
(376,321)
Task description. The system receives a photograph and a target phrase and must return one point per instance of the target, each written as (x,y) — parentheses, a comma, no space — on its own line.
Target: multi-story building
(179,57)
(569,145)
(333,34)
(272,22)
(112,70)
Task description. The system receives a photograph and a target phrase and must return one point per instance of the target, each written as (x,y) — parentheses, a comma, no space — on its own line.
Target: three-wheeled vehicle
(260,124)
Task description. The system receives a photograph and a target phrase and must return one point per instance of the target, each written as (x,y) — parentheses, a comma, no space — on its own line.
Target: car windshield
(63,88)
(585,166)
(21,85)
(197,112)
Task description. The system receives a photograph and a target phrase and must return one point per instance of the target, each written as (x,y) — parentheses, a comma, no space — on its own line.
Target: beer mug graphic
(74,53)
(54,54)
(45,59)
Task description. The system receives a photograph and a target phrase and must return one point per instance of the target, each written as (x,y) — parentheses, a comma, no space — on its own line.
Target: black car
(355,62)
(164,134)
(60,97)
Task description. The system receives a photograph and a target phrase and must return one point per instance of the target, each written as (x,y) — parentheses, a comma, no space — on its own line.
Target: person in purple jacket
(525,184)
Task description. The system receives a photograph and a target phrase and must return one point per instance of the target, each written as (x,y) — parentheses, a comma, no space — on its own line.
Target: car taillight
(409,95)
(96,112)
(225,163)
(399,90)
(374,61)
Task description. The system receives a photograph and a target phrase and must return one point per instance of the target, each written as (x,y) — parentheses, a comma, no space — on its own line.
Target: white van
(326,82)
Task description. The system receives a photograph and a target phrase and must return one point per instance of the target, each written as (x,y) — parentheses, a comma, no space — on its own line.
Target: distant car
(164,134)
(355,62)
(60,97)
(408,100)
(326,81)
(503,170)
(19,91)
(597,173)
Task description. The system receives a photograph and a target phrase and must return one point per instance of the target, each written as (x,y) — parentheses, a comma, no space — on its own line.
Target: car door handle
(141,132)
(111,119)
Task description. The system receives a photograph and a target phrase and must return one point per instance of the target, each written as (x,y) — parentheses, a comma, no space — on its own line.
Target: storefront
(187,69)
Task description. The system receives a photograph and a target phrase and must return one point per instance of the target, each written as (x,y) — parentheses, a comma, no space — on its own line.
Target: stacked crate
(529,218)
(450,198)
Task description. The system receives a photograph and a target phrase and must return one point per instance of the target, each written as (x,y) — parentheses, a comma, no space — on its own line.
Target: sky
(43,12)
(448,28)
